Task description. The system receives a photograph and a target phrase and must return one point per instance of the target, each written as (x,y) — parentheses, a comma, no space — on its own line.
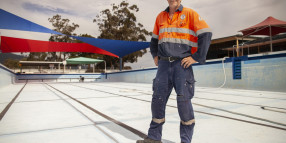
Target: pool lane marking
(133,130)
(195,110)
(2,114)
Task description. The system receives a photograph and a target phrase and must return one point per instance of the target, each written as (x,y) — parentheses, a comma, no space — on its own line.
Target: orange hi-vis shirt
(178,37)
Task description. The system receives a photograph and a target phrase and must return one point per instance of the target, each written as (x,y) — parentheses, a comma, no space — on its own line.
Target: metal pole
(120,64)
(104,66)
(242,51)
(93,69)
(237,47)
(233,50)
(0,43)
(242,47)
(270,39)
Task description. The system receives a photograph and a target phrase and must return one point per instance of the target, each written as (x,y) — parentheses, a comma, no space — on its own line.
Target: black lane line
(244,95)
(208,99)
(270,126)
(43,130)
(131,129)
(265,108)
(240,103)
(213,88)
(228,94)
(235,113)
(223,110)
(2,114)
(50,100)
(94,123)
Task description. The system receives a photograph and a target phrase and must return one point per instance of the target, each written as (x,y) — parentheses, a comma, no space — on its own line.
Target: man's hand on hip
(156,60)
(187,61)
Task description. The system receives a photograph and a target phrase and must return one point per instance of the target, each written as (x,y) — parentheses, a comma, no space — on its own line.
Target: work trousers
(169,75)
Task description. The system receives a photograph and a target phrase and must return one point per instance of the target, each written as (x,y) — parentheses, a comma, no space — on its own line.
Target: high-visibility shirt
(186,34)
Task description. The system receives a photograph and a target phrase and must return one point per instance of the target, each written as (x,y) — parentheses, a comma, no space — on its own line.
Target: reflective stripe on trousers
(169,75)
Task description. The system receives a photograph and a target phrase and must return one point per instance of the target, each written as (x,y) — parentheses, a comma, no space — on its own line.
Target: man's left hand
(187,61)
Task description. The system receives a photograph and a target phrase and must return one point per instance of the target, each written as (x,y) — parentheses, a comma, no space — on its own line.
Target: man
(180,38)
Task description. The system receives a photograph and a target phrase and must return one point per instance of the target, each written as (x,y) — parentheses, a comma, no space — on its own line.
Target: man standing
(180,38)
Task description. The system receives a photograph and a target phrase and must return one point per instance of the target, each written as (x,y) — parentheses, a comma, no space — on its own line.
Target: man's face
(174,3)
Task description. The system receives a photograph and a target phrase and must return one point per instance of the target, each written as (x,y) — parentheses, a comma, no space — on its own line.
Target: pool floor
(120,112)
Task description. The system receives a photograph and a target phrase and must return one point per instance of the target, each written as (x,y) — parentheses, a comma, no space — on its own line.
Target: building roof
(39,63)
(232,38)
(263,28)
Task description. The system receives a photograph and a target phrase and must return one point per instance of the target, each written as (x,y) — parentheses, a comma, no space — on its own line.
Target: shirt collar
(179,9)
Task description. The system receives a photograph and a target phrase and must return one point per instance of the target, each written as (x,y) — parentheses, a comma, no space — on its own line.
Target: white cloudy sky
(225,17)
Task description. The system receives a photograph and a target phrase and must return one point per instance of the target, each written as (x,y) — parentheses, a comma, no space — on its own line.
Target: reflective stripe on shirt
(178,30)
(179,41)
(155,36)
(203,31)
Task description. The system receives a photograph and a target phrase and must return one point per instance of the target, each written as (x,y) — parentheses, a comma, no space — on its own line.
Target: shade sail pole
(0,43)
(237,47)
(120,67)
(104,66)
(270,32)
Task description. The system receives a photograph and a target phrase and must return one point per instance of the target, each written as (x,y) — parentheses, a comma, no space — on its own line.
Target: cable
(223,72)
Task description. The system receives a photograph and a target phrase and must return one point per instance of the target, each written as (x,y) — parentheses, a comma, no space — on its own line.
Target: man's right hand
(156,60)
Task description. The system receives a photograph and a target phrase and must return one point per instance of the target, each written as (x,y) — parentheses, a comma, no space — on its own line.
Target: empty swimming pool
(121,112)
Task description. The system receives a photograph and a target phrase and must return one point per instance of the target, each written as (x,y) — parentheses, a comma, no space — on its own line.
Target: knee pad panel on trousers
(158,107)
(185,110)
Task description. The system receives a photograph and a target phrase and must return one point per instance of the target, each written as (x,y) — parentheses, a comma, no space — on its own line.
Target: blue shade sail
(117,47)
(14,22)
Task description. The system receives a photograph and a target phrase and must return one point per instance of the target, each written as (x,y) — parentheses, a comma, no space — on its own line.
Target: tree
(11,63)
(37,56)
(83,54)
(120,23)
(63,26)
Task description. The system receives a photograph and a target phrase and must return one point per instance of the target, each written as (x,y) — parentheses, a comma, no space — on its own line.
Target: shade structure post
(270,33)
(93,69)
(269,27)
(104,66)
(64,63)
(237,47)
(0,43)
(120,64)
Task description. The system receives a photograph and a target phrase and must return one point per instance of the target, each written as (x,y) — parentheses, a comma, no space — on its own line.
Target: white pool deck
(41,114)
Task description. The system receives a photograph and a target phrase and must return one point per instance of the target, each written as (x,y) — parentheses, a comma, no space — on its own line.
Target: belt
(170,59)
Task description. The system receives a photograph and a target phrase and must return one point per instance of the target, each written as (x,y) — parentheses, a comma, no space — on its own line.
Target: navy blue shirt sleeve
(154,47)
(204,41)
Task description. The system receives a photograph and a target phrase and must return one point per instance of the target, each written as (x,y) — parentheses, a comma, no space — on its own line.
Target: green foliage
(11,63)
(63,26)
(120,23)
(37,56)
(80,54)
(117,23)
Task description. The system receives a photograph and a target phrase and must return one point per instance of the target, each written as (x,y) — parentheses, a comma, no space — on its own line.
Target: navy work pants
(169,75)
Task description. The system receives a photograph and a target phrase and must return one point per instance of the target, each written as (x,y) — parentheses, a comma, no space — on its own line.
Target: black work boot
(148,140)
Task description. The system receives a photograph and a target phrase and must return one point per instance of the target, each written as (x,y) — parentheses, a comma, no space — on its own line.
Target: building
(227,46)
